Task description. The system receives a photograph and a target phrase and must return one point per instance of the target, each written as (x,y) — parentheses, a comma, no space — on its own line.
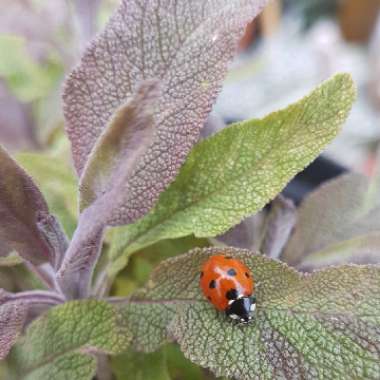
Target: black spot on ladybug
(246,274)
(228,257)
(201,275)
(212,284)
(232,294)
(231,272)
(209,298)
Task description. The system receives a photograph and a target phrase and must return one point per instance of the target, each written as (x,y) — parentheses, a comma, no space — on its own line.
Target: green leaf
(57,182)
(347,230)
(138,366)
(60,344)
(180,367)
(325,325)
(234,173)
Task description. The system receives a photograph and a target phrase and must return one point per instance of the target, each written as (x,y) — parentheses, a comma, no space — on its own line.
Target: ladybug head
(242,309)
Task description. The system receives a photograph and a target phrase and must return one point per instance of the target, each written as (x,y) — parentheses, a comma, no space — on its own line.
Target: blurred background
(290,48)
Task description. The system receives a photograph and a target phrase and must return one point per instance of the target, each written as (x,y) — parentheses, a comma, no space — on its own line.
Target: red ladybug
(228,285)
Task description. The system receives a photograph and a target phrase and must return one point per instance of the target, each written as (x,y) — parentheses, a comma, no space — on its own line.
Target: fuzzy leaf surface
(234,173)
(21,205)
(278,227)
(57,183)
(60,343)
(12,318)
(337,223)
(187,45)
(325,325)
(116,154)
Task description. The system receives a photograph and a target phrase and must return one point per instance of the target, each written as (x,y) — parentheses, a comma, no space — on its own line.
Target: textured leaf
(21,204)
(278,227)
(75,274)
(363,249)
(116,155)
(336,224)
(137,366)
(104,186)
(12,318)
(57,183)
(324,325)
(57,345)
(248,234)
(51,229)
(234,173)
(187,46)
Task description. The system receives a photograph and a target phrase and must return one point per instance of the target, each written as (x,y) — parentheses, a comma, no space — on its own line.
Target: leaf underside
(336,224)
(234,173)
(325,325)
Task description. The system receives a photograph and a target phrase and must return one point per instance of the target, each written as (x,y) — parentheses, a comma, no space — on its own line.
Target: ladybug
(228,285)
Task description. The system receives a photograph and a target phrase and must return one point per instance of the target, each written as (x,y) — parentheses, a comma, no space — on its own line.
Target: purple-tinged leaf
(117,152)
(75,273)
(358,250)
(278,227)
(12,318)
(52,230)
(104,186)
(20,205)
(332,225)
(36,297)
(187,45)
(13,313)
(248,234)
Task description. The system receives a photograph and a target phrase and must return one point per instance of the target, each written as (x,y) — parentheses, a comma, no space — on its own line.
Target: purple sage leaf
(12,318)
(278,227)
(104,186)
(116,154)
(187,45)
(21,203)
(14,309)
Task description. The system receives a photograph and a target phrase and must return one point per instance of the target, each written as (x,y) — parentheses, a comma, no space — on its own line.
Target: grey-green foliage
(61,344)
(325,325)
(234,173)
(337,223)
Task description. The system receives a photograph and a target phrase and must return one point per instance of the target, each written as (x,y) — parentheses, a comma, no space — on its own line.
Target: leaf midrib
(205,197)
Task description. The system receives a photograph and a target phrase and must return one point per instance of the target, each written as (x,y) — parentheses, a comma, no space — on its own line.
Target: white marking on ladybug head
(234,316)
(253,307)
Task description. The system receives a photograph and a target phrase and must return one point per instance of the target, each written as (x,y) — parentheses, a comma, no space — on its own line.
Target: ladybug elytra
(228,285)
